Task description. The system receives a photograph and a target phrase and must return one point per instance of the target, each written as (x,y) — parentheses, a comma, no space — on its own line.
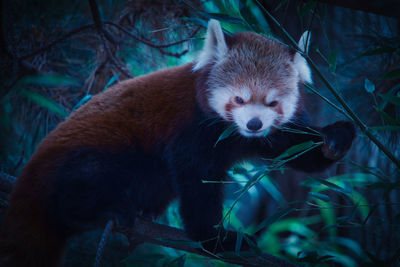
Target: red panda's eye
(239,100)
(273,104)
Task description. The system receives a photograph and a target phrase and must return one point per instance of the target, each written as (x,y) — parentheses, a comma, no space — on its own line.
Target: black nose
(254,124)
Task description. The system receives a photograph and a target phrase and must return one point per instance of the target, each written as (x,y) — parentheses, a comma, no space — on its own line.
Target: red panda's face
(254,103)
(253,82)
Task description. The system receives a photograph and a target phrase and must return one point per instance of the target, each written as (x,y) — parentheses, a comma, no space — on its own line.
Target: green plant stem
(346,107)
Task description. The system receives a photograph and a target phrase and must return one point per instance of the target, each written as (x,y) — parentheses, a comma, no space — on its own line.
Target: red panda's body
(137,146)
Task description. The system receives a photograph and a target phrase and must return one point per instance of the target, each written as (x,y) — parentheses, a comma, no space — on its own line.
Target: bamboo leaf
(306,8)
(223,17)
(111,81)
(320,196)
(49,80)
(388,118)
(225,134)
(273,218)
(45,102)
(378,51)
(332,61)
(394,74)
(385,128)
(84,99)
(391,98)
(369,86)
(239,239)
(294,150)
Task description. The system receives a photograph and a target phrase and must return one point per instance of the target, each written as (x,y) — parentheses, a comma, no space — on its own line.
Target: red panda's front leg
(336,139)
(201,211)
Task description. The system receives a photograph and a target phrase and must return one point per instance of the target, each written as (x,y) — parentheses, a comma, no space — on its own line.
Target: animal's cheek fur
(219,101)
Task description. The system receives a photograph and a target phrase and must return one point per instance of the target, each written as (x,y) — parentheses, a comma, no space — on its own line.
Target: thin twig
(106,36)
(112,58)
(177,55)
(102,243)
(147,42)
(62,38)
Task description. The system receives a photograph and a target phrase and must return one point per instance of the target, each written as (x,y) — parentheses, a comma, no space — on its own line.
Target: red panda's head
(252,80)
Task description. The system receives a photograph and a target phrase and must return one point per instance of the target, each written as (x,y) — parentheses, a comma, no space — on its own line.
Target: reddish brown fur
(122,116)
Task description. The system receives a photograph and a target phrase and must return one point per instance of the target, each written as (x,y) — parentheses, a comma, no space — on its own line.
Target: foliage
(340,212)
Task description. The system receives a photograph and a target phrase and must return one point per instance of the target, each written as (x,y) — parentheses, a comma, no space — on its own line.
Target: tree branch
(388,8)
(147,231)
(58,40)
(106,36)
(150,232)
(149,43)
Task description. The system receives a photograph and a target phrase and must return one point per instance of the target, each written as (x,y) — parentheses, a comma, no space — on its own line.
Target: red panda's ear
(214,46)
(299,62)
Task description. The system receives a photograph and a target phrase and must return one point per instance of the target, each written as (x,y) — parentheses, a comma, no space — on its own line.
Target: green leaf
(391,98)
(45,102)
(388,118)
(385,128)
(111,81)
(320,196)
(188,243)
(330,185)
(378,51)
(84,99)
(271,188)
(369,86)
(223,17)
(294,150)
(49,80)
(273,218)
(239,239)
(332,61)
(225,134)
(282,2)
(266,132)
(180,261)
(306,8)
(394,74)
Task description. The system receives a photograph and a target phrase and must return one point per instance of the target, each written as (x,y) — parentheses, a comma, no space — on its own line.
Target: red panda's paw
(338,138)
(228,241)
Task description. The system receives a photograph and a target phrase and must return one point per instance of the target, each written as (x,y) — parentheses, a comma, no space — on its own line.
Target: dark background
(56,54)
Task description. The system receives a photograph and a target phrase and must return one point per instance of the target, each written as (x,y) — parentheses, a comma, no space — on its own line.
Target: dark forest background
(56,54)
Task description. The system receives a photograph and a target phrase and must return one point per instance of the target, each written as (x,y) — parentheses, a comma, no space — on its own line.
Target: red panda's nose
(254,124)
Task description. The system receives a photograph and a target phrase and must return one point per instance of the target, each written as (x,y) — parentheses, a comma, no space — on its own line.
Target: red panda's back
(144,111)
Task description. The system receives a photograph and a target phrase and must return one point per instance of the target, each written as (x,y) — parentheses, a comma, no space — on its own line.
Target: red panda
(151,139)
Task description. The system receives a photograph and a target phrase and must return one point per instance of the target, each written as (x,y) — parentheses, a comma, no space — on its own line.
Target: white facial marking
(219,97)
(271,96)
(214,46)
(242,115)
(245,93)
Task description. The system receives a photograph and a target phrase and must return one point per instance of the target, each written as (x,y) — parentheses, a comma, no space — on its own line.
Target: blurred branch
(388,8)
(7,183)
(348,112)
(58,40)
(150,232)
(154,45)
(149,43)
(105,36)
(3,42)
(147,231)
